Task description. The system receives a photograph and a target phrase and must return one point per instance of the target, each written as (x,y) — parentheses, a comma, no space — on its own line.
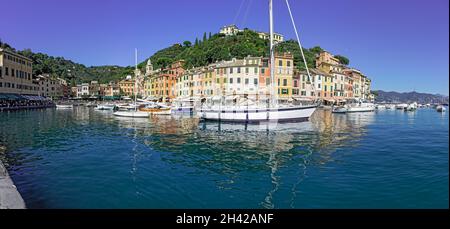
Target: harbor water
(83,158)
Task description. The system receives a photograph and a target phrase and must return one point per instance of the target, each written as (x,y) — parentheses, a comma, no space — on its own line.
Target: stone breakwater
(10,198)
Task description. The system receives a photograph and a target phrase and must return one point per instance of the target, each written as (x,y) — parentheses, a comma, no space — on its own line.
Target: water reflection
(232,150)
(228,152)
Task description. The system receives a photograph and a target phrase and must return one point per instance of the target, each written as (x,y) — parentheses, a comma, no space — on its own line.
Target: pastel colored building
(16,74)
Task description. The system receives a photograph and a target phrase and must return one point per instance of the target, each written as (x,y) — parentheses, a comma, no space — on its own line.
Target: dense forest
(209,49)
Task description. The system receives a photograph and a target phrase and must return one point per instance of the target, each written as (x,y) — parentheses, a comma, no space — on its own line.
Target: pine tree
(204,37)
(196,41)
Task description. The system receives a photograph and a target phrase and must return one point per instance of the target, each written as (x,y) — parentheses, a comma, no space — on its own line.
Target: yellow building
(16,74)
(284,73)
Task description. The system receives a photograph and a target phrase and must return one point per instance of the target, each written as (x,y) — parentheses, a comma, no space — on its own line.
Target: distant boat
(380,107)
(411,107)
(157,109)
(109,107)
(67,106)
(355,106)
(132,114)
(390,106)
(401,106)
(441,108)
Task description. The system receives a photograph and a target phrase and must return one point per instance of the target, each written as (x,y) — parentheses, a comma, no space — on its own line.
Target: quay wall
(10,197)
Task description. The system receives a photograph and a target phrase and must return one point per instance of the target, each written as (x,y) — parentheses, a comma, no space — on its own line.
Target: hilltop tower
(149,67)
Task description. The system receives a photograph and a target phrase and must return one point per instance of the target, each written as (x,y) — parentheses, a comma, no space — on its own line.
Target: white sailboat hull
(132,114)
(302,113)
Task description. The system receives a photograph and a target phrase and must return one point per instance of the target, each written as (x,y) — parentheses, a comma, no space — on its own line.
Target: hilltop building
(231,30)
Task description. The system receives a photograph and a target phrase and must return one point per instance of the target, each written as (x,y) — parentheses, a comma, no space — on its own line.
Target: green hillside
(202,52)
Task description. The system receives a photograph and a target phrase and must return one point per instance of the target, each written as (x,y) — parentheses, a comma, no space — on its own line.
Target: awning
(11,97)
(34,98)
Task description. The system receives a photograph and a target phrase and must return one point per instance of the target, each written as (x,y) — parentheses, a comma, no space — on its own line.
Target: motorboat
(64,106)
(441,108)
(390,106)
(355,106)
(185,105)
(411,107)
(380,107)
(132,114)
(156,109)
(401,106)
(109,107)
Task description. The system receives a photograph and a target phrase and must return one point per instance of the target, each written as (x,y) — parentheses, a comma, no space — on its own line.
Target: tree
(342,59)
(187,44)
(209,35)
(196,41)
(204,37)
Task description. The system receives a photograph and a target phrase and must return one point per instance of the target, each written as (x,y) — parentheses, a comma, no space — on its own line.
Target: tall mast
(272,56)
(135,78)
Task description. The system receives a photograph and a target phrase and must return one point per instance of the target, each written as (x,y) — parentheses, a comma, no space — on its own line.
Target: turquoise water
(91,159)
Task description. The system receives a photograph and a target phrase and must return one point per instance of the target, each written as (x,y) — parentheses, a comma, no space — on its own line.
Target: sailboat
(271,112)
(134,113)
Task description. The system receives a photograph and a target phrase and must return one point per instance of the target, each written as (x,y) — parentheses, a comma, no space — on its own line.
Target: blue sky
(403,45)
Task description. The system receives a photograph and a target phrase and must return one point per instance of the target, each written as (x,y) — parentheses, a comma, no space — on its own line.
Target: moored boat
(64,106)
(355,106)
(401,106)
(156,109)
(132,114)
(105,107)
(441,108)
(266,112)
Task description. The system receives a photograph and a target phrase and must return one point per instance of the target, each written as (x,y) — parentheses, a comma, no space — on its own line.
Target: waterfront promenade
(10,198)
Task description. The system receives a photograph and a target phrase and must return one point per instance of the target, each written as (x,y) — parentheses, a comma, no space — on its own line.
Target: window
(295,83)
(280,63)
(231,70)
(12,72)
(246,70)
(6,71)
(318,86)
(263,70)
(239,70)
(256,70)
(325,87)
(231,80)
(278,82)
(1,72)
(268,81)
(255,81)
(246,81)
(285,82)
(217,80)
(289,64)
